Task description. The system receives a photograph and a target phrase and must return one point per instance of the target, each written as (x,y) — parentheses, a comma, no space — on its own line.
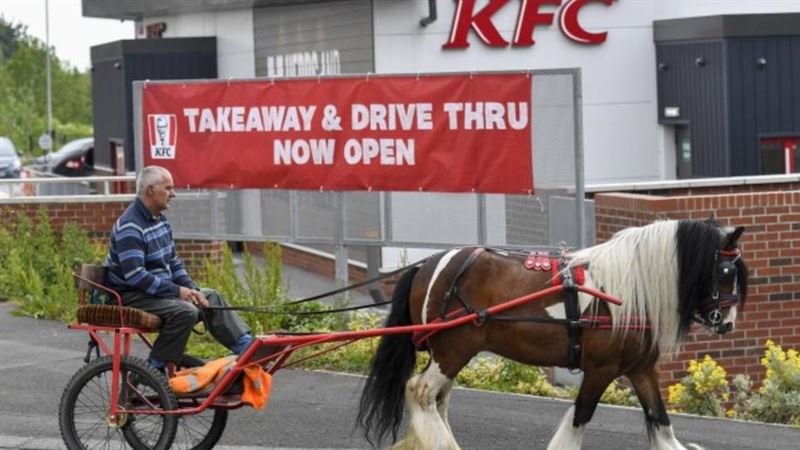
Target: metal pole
(481,204)
(47,49)
(340,263)
(579,175)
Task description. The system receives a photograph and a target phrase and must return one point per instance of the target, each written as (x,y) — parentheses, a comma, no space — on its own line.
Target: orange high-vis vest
(203,380)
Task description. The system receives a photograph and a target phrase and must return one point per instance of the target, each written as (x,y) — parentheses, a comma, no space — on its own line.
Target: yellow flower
(675,393)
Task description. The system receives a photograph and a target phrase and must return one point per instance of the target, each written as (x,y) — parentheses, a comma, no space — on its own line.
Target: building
(632,111)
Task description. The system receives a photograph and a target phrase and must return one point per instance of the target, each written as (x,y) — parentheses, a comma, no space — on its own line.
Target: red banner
(400,133)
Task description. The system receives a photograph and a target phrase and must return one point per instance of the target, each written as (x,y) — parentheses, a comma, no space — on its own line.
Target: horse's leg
(426,427)
(659,429)
(570,431)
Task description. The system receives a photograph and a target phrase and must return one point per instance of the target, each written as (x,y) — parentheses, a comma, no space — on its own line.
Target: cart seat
(90,283)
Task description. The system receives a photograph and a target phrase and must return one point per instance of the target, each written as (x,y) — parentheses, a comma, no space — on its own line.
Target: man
(144,268)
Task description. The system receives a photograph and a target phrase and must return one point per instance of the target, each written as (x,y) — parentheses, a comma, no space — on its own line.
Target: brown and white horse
(668,273)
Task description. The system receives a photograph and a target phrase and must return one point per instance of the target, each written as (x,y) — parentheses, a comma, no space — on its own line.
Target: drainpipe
(425,21)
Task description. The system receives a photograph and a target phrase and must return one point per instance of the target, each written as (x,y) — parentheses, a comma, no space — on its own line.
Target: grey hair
(149,176)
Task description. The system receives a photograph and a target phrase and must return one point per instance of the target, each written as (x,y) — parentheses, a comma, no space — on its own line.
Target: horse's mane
(661,271)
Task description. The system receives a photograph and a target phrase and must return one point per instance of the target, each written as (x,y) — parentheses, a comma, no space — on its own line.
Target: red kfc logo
(529,17)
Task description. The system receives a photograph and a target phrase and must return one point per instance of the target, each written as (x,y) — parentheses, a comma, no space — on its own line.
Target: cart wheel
(200,431)
(83,413)
(195,432)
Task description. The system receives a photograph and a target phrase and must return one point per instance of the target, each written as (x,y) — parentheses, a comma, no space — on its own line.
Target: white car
(10,163)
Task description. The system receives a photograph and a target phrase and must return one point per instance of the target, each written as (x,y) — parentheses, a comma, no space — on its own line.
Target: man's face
(162,193)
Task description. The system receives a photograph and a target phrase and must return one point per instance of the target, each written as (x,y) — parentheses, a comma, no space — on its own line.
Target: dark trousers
(179,316)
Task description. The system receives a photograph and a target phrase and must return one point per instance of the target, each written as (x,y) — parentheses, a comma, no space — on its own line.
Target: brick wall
(770,246)
(97,216)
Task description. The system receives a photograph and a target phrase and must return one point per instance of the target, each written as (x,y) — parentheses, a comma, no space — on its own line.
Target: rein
(271,310)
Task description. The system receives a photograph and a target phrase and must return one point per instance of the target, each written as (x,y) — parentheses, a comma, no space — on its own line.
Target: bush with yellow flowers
(703,391)
(778,398)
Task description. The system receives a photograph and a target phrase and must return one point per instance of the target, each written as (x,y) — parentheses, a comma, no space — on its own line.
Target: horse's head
(724,288)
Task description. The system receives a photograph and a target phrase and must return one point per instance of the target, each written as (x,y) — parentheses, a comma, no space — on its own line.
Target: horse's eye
(727,271)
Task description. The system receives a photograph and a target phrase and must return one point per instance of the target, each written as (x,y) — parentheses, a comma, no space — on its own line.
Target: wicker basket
(108,316)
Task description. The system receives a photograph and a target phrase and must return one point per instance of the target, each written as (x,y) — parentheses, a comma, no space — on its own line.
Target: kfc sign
(163,132)
(529,17)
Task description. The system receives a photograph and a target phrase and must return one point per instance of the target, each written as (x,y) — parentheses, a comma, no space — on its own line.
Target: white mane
(639,266)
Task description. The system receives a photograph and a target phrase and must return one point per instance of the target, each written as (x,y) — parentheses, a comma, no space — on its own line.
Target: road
(314,410)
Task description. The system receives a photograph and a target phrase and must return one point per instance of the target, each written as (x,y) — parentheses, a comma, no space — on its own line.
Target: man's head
(155,188)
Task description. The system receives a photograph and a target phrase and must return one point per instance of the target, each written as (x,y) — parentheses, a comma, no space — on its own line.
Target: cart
(119,400)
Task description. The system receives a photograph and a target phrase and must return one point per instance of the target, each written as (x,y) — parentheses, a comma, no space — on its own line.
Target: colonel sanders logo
(163,130)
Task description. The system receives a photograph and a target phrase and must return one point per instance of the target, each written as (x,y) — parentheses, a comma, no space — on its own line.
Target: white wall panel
(619,150)
(622,139)
(234,33)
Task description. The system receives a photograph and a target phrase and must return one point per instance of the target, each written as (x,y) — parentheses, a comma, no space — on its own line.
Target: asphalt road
(314,410)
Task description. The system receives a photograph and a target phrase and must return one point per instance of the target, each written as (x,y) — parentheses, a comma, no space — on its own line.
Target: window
(683,151)
(780,155)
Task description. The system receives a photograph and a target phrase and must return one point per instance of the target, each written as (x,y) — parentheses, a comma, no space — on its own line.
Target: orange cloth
(203,380)
(257,385)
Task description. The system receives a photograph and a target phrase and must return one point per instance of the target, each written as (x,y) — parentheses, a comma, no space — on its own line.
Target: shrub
(261,288)
(778,398)
(503,375)
(39,263)
(703,390)
(617,394)
(354,357)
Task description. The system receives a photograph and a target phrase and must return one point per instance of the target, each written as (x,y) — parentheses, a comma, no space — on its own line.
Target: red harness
(539,261)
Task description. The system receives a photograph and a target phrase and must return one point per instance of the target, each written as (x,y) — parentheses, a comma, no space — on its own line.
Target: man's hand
(199,298)
(193,296)
(185,293)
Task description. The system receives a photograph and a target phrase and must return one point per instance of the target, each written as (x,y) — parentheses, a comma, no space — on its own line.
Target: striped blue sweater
(141,255)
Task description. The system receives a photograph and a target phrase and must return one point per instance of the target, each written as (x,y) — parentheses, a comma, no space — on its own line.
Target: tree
(23,95)
(9,35)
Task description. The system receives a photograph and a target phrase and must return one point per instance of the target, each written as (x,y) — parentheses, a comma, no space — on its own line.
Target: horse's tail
(380,410)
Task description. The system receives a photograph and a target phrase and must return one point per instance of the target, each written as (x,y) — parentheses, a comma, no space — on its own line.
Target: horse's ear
(733,236)
(712,220)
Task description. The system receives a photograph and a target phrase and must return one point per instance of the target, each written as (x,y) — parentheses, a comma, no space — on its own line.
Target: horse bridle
(710,313)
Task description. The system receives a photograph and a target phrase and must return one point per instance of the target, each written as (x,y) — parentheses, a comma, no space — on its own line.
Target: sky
(71,34)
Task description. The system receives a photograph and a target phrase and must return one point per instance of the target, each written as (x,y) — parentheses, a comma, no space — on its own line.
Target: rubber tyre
(195,432)
(91,385)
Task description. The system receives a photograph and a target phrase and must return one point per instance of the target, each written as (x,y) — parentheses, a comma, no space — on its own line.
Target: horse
(667,274)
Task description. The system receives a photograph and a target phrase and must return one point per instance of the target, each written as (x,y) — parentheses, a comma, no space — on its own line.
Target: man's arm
(131,253)
(179,274)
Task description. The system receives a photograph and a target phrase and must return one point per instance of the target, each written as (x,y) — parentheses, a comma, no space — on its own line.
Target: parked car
(10,163)
(74,159)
